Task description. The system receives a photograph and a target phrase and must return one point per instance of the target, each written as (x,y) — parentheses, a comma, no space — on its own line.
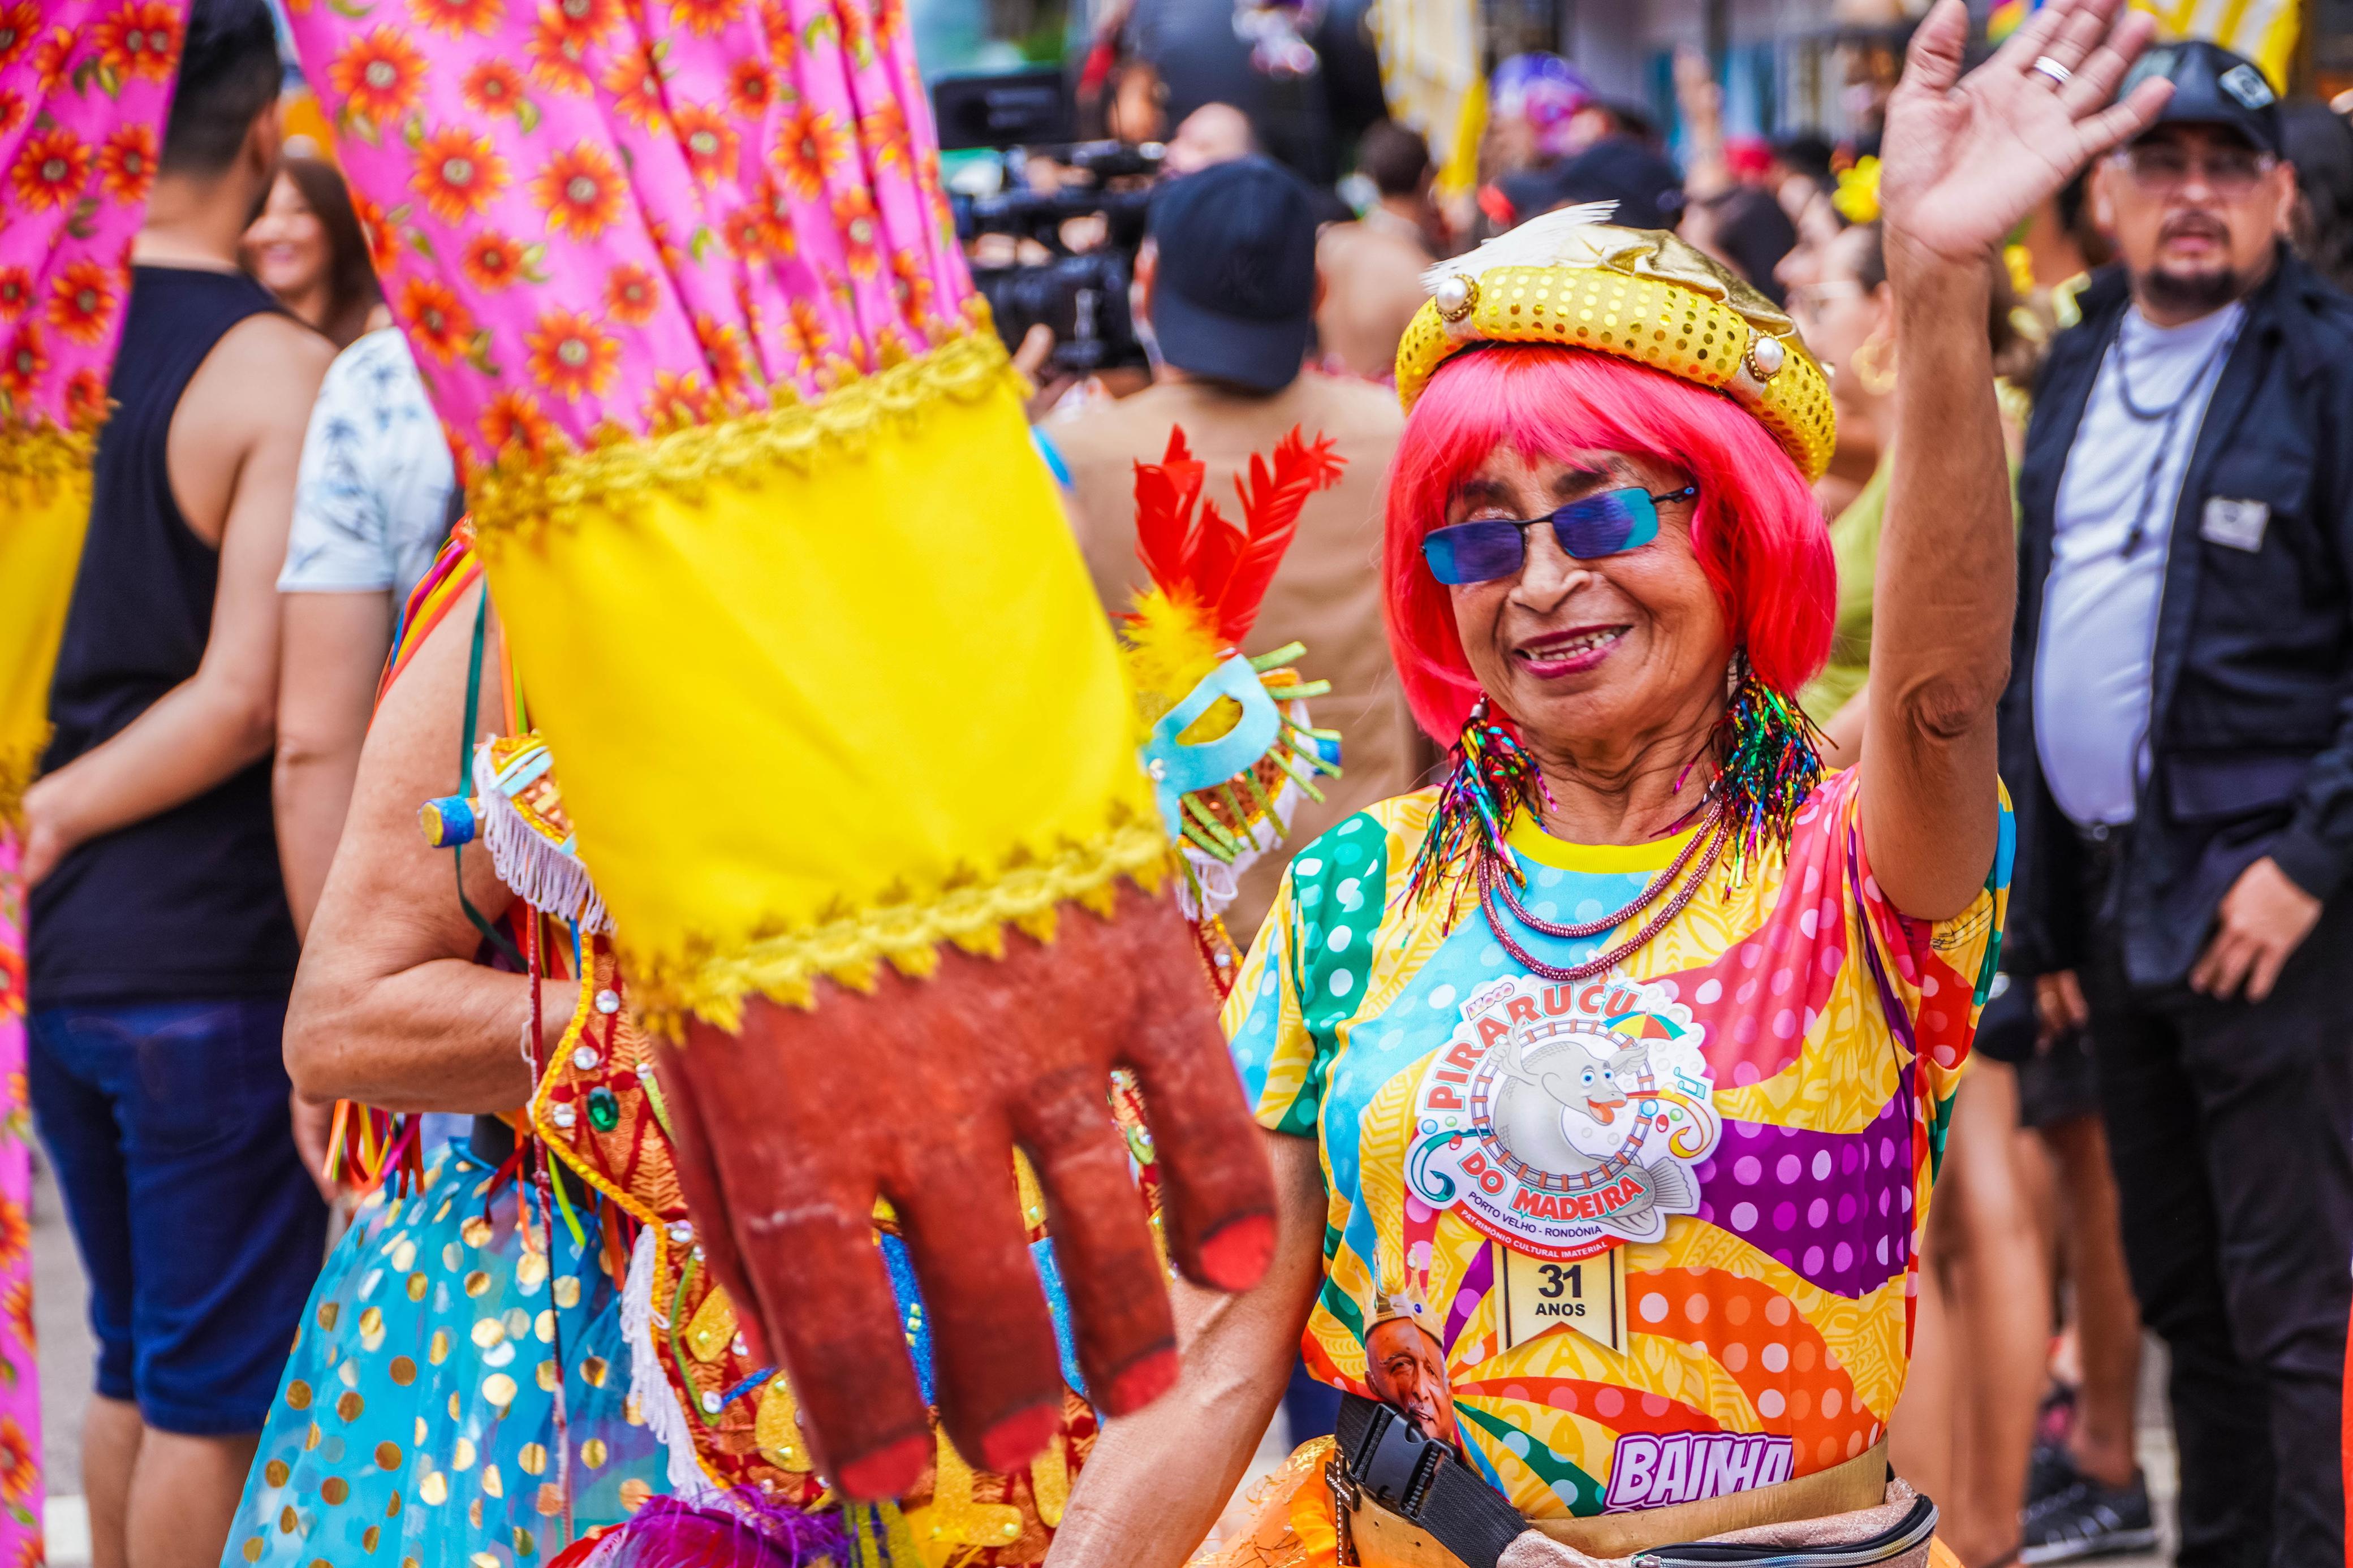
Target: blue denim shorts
(199,1229)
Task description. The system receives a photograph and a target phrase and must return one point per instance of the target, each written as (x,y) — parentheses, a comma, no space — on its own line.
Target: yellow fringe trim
(35,459)
(520,492)
(904,933)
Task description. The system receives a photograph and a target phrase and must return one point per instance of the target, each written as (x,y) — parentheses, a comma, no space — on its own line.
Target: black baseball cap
(2212,86)
(1234,297)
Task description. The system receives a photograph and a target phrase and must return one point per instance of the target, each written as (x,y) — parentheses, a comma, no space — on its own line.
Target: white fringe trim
(547,876)
(650,1388)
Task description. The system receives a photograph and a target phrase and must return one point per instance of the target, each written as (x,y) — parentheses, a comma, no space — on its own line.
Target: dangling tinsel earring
(1492,777)
(1768,757)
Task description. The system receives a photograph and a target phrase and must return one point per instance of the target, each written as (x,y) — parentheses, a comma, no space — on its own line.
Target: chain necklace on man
(2170,415)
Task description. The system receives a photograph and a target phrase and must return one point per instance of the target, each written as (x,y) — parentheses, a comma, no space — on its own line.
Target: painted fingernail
(1140,1381)
(888,1472)
(1019,1437)
(1237,1253)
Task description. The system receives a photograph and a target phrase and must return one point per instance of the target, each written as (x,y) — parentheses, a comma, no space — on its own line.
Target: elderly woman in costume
(1627,1049)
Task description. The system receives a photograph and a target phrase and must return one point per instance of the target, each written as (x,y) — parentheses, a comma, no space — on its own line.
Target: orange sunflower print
(384,248)
(437,322)
(723,354)
(458,174)
(810,149)
(11,111)
(83,301)
(494,87)
(580,191)
(911,287)
(126,165)
(557,59)
(15,293)
(491,262)
(18,1474)
(19,25)
(378,76)
(884,132)
(514,420)
(806,337)
(86,407)
(705,18)
(456,18)
(15,1234)
(751,88)
(850,18)
(140,39)
(744,232)
(51,169)
(861,231)
(52,59)
(710,140)
(776,210)
(18,1306)
(581,21)
(677,401)
(784,39)
(631,294)
(634,82)
(571,355)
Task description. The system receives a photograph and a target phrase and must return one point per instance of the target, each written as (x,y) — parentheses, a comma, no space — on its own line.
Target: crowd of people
(236,941)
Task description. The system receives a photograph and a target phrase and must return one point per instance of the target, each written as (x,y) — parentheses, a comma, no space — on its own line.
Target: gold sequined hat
(1569,279)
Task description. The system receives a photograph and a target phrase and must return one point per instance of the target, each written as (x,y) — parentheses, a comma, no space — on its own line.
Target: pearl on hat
(1456,295)
(1767,356)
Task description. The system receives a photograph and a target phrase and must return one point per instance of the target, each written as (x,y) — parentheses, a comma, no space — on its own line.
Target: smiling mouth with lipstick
(1570,652)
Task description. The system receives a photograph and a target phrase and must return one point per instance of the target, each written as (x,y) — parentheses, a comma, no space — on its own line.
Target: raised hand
(1966,157)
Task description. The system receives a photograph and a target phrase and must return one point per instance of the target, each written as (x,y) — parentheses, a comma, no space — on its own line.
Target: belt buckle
(1345,1496)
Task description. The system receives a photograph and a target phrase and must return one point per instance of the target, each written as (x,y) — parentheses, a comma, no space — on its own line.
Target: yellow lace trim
(521,491)
(36,459)
(904,933)
(16,766)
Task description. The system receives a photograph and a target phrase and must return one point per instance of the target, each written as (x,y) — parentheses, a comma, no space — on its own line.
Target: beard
(2192,293)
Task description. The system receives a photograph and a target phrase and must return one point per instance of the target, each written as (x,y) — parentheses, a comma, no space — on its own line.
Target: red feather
(1207,559)
(1165,495)
(1272,502)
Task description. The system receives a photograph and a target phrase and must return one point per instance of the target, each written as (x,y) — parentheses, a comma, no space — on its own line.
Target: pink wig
(1757,532)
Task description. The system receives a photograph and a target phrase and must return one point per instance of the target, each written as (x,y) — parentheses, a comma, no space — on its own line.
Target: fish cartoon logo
(1563,1118)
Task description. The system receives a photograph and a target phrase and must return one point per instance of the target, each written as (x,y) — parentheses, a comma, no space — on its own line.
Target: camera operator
(1226,283)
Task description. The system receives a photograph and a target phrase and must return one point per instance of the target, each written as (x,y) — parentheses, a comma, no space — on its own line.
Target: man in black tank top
(161,953)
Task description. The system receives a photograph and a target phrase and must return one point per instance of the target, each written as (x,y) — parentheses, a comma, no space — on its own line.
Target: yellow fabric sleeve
(816,713)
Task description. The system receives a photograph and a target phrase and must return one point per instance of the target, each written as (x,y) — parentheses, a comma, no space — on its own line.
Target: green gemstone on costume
(604,1109)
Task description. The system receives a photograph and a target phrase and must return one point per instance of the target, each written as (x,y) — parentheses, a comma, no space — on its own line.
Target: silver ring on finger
(2052,70)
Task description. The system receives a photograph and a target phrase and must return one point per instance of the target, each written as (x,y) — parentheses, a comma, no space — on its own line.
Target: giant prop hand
(84,87)
(843,730)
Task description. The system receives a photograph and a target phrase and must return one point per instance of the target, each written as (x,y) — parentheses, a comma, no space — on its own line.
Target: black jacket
(2252,724)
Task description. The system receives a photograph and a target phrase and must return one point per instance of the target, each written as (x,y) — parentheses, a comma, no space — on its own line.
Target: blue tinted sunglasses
(1588,528)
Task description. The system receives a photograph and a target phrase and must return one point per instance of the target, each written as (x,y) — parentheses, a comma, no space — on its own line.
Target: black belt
(1380,1455)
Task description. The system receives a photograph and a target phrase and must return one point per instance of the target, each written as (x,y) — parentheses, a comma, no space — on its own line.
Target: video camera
(1081,296)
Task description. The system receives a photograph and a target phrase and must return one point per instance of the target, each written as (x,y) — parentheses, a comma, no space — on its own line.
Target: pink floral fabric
(600,216)
(84,88)
(20,1386)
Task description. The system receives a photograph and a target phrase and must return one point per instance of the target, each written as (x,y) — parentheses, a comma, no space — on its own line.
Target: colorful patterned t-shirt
(1633,1240)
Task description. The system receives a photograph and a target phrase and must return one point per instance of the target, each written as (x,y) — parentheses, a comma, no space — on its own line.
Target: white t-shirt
(2098,640)
(371,495)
